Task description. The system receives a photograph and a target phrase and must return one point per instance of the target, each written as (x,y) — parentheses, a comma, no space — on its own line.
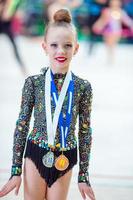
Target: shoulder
(37,78)
(82,84)
(106,12)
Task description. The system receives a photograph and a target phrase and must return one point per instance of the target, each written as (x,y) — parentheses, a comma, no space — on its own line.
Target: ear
(76,49)
(44,47)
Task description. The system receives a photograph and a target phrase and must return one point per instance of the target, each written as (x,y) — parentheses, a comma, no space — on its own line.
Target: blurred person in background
(8,9)
(33,20)
(95,10)
(85,16)
(110,25)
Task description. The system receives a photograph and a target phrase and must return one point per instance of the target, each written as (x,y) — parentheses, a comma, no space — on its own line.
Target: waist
(40,139)
(31,147)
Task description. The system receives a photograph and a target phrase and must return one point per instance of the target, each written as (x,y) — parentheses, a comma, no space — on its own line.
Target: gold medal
(61,163)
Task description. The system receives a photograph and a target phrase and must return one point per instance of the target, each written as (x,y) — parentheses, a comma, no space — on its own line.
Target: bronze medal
(61,163)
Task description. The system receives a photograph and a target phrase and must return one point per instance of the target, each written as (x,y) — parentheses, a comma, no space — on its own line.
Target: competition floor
(111,163)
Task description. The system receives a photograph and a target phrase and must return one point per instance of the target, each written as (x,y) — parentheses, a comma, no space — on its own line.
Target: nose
(60,50)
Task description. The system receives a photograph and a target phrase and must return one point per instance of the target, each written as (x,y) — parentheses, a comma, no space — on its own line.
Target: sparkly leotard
(37,144)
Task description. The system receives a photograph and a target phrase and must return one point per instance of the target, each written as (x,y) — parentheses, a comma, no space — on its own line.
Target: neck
(59,71)
(116,9)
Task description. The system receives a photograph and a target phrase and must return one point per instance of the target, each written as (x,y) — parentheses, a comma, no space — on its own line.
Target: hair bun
(62,15)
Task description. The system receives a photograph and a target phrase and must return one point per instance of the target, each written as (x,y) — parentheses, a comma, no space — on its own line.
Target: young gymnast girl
(58,96)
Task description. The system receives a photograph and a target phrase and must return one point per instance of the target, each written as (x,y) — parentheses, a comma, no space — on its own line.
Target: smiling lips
(61,59)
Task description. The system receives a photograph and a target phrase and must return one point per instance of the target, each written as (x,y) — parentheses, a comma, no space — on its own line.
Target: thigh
(34,184)
(59,189)
(112,39)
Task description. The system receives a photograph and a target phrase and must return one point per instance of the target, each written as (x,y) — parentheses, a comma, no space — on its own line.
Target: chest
(40,104)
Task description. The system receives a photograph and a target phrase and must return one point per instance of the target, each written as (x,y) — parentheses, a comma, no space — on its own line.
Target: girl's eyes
(68,45)
(65,46)
(53,45)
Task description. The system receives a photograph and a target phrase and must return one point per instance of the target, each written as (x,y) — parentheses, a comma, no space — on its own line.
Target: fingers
(6,189)
(14,182)
(17,189)
(86,190)
(89,192)
(82,193)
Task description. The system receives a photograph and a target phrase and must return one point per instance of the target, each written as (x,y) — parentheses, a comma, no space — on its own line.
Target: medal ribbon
(52,126)
(63,124)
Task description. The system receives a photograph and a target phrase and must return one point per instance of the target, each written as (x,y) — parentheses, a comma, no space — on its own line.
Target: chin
(62,68)
(61,65)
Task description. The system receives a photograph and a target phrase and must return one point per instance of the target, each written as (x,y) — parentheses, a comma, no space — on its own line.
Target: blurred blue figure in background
(33,21)
(95,9)
(87,15)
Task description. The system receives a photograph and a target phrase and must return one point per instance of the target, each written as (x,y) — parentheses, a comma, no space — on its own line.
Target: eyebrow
(64,42)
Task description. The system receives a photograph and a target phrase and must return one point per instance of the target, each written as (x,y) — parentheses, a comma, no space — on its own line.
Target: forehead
(116,1)
(60,34)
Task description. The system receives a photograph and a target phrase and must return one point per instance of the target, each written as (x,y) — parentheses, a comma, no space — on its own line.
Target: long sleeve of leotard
(22,127)
(85,133)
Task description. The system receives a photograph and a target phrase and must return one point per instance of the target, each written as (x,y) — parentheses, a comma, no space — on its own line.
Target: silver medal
(48,159)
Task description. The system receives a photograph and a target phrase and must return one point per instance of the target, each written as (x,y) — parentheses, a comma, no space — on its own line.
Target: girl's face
(115,3)
(60,45)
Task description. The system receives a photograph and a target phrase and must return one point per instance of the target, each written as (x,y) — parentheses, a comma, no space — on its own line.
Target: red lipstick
(61,59)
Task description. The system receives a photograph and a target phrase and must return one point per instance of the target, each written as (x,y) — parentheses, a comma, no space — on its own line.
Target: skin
(13,183)
(35,186)
(62,43)
(115,4)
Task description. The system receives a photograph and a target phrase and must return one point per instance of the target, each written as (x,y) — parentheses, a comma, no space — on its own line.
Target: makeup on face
(60,46)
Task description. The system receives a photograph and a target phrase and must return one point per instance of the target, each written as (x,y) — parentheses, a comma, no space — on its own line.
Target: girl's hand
(14,182)
(86,191)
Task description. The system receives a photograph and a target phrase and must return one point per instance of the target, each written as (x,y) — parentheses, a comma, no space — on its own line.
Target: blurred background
(105,58)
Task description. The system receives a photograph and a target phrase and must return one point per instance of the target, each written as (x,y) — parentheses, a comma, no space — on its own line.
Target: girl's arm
(127,20)
(85,137)
(20,134)
(102,21)
(22,127)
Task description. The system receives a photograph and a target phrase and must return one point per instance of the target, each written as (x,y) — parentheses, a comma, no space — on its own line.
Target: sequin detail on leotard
(33,97)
